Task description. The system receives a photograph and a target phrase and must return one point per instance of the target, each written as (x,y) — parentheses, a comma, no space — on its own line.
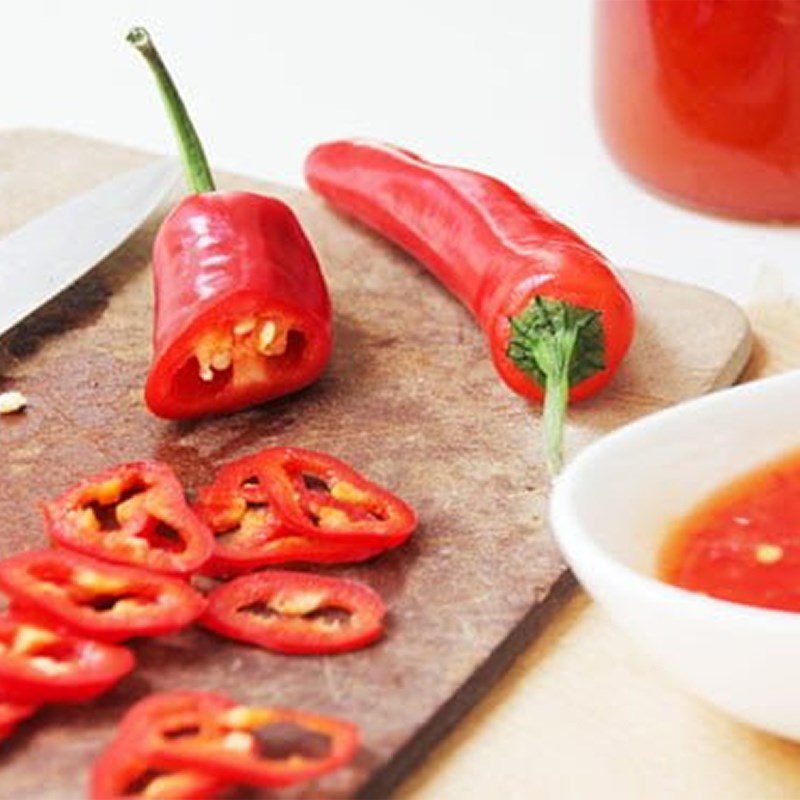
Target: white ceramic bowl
(610,512)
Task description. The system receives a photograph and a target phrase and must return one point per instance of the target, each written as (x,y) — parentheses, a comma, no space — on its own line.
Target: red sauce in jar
(743,543)
(700,100)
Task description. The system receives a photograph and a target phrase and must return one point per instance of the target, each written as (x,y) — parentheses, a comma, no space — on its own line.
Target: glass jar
(700,100)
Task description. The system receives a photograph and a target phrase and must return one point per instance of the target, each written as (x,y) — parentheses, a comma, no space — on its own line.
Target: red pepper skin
(249,533)
(124,772)
(210,749)
(296,602)
(218,258)
(290,549)
(320,497)
(96,599)
(134,513)
(40,664)
(12,713)
(486,243)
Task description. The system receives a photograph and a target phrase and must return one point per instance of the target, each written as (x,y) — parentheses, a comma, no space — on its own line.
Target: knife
(49,253)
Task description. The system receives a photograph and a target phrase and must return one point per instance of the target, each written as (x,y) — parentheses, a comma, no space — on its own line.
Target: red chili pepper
(320,497)
(295,612)
(96,599)
(242,313)
(12,713)
(124,772)
(270,747)
(249,533)
(557,317)
(39,664)
(133,514)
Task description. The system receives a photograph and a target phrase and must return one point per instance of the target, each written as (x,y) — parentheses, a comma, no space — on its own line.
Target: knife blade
(49,253)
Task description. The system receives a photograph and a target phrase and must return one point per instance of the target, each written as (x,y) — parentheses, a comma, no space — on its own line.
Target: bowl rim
(577,543)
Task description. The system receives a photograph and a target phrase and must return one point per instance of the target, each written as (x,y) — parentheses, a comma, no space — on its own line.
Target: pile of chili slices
(127,548)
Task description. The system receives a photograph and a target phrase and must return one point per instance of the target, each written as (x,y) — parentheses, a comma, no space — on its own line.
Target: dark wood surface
(410,398)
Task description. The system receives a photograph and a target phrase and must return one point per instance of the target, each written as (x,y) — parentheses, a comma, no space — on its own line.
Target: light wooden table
(583,714)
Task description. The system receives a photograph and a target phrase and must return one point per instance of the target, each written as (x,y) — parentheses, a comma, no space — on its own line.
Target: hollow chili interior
(134,513)
(237,353)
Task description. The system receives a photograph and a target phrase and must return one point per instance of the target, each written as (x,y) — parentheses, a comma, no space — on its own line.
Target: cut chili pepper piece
(135,514)
(295,612)
(42,664)
(242,312)
(317,495)
(270,747)
(97,599)
(249,534)
(124,772)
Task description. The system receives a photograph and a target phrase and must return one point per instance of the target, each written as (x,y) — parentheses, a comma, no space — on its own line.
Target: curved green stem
(195,163)
(558,345)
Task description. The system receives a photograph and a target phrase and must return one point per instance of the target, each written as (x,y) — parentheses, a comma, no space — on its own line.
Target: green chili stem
(558,345)
(555,359)
(195,163)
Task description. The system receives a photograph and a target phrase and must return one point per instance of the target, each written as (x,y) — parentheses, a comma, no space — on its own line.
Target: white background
(500,85)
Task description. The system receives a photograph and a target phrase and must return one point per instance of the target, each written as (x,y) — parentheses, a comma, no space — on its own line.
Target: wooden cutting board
(410,398)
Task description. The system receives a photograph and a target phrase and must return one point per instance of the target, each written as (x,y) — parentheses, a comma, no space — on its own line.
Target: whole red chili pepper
(557,317)
(242,313)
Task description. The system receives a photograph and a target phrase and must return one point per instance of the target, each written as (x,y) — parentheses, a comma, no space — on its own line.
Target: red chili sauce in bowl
(742,544)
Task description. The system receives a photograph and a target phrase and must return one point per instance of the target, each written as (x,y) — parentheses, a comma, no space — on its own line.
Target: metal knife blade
(53,250)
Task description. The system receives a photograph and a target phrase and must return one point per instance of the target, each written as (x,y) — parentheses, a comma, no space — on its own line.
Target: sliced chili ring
(134,514)
(270,747)
(249,534)
(295,612)
(317,495)
(97,599)
(41,664)
(123,772)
